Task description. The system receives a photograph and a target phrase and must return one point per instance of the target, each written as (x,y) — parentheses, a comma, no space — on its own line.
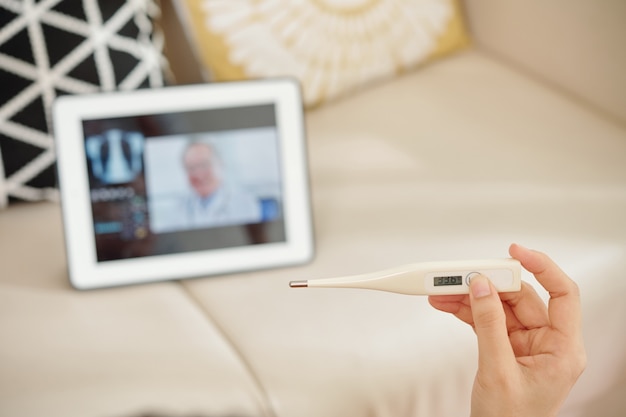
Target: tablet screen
(184,181)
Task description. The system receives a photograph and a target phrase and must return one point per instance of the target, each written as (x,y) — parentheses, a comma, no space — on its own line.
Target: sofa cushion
(453,162)
(116,352)
(331,46)
(82,47)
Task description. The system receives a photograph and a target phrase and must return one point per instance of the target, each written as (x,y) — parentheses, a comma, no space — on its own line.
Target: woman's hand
(529,355)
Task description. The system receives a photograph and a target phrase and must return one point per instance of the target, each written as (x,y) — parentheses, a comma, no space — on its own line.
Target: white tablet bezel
(84,270)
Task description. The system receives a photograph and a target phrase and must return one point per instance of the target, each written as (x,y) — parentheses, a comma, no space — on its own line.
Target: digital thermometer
(429,278)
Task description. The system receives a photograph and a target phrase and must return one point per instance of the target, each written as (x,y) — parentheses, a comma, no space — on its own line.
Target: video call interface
(182,182)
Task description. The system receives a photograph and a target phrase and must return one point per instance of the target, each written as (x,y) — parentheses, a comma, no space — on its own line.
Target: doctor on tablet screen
(214,201)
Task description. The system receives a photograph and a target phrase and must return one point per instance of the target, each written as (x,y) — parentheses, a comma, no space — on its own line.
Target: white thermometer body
(429,278)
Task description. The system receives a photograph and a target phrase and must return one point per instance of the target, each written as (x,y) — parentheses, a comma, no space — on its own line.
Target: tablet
(181,182)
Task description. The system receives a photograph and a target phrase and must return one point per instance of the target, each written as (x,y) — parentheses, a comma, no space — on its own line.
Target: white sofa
(520,138)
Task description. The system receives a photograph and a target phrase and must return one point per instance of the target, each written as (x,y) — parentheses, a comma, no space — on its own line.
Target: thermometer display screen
(449,280)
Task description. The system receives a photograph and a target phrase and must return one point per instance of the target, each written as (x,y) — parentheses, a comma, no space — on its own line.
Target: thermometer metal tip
(299,284)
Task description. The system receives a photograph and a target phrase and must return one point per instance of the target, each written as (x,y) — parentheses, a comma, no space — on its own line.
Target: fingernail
(480,286)
(526,248)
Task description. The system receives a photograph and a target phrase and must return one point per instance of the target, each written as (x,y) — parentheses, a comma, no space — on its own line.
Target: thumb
(495,353)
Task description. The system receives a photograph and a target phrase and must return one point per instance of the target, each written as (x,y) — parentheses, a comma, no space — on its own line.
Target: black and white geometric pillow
(54,47)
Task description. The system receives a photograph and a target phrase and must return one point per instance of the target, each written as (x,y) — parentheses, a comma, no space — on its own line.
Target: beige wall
(578,45)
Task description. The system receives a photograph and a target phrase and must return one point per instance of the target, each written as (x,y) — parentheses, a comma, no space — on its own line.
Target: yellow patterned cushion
(331,46)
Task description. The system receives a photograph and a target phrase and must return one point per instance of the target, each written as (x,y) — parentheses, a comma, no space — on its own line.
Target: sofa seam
(553,86)
(266,403)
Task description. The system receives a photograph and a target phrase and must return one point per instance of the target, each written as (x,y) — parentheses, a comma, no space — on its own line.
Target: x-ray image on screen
(115,155)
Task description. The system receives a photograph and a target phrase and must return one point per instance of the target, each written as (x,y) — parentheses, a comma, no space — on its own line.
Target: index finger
(564,305)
